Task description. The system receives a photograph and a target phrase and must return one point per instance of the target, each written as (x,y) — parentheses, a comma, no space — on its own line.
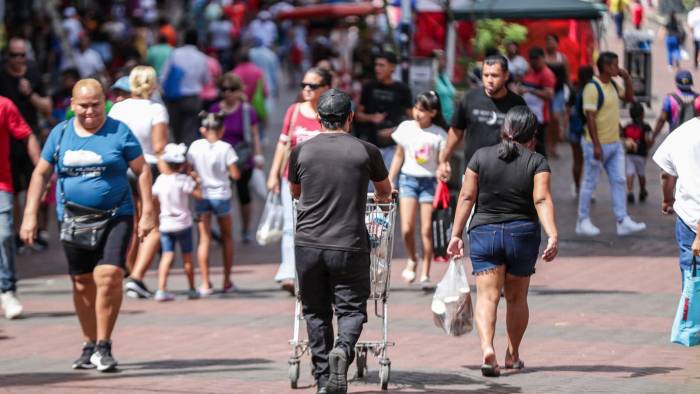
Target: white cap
(174,153)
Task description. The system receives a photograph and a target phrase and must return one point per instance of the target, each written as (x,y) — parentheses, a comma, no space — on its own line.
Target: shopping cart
(380,219)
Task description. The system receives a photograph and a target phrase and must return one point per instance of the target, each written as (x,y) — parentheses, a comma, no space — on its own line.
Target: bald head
(88,87)
(88,103)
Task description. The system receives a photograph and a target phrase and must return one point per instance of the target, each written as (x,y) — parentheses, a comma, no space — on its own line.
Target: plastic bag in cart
(272,221)
(452,302)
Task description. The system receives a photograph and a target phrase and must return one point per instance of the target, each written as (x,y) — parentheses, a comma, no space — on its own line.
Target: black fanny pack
(84,227)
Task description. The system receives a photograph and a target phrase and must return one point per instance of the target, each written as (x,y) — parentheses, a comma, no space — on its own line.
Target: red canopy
(324,11)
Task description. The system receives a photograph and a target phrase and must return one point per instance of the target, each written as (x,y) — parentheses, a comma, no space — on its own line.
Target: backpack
(601,97)
(687,108)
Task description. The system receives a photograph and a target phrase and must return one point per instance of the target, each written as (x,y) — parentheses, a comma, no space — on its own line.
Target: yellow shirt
(608,117)
(617,6)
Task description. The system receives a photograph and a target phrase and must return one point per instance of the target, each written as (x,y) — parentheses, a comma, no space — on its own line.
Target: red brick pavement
(600,322)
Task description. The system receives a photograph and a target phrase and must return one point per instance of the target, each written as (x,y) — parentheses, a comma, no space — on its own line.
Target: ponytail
(519,127)
(508,150)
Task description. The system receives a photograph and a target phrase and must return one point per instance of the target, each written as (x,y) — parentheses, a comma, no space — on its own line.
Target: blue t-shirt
(93,169)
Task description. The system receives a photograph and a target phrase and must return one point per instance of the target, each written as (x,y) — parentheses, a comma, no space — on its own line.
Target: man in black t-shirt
(383,105)
(480,114)
(21,83)
(329,174)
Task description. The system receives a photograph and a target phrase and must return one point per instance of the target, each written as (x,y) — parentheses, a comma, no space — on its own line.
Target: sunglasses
(229,89)
(17,54)
(312,86)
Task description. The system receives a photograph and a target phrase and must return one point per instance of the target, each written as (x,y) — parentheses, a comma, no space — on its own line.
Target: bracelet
(259,160)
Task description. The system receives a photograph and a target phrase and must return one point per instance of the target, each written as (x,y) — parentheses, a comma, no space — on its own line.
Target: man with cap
(680,106)
(329,174)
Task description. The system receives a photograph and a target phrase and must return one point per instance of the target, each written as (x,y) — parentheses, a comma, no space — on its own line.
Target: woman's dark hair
(326,76)
(585,74)
(519,127)
(176,167)
(211,120)
(430,101)
(637,112)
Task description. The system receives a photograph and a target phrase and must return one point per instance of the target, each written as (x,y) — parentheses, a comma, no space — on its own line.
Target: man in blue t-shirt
(91,154)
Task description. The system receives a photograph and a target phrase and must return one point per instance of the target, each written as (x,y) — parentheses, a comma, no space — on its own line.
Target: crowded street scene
(360,196)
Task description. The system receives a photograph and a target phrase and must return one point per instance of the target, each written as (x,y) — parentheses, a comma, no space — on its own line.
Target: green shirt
(157,56)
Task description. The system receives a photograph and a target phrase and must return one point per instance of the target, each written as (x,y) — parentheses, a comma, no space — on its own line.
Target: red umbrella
(325,11)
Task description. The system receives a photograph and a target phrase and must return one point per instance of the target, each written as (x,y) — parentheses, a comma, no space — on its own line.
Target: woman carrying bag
(510,185)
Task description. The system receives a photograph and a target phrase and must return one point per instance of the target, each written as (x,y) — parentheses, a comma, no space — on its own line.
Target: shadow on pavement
(543,291)
(634,372)
(430,382)
(132,370)
(31,315)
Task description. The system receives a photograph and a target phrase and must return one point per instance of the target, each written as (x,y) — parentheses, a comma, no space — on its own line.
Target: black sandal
(491,371)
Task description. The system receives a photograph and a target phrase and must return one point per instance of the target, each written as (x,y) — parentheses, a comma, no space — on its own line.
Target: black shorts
(111,252)
(22,169)
(243,187)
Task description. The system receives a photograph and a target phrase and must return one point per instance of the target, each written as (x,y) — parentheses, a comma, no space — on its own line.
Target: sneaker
(192,294)
(83,362)
(587,228)
(628,226)
(138,287)
(205,292)
(163,296)
(643,196)
(102,357)
(338,379)
(409,273)
(228,289)
(11,305)
(426,284)
(630,198)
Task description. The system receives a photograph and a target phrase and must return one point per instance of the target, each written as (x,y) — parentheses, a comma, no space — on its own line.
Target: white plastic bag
(452,302)
(257,183)
(272,221)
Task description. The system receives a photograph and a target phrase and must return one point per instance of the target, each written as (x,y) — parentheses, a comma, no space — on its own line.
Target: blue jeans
(619,19)
(515,244)
(287,268)
(673,50)
(8,277)
(614,164)
(685,237)
(421,189)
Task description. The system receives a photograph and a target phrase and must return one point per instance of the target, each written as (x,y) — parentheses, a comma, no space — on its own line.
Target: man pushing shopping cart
(329,175)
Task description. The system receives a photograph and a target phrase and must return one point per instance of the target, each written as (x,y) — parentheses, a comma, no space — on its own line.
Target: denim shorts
(182,237)
(515,244)
(218,207)
(417,188)
(559,101)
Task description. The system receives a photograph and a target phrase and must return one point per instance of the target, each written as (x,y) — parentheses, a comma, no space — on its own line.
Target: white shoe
(10,303)
(587,228)
(628,226)
(409,273)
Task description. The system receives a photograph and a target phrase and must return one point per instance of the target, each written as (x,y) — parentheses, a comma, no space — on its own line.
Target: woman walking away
(148,120)
(241,131)
(418,144)
(510,185)
(300,124)
(675,35)
(91,154)
(171,193)
(214,161)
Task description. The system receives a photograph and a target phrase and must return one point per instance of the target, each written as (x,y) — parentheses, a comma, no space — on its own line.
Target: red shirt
(11,124)
(637,14)
(250,74)
(541,79)
(299,129)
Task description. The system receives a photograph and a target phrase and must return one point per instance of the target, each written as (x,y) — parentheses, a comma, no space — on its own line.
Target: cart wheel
(384,373)
(361,364)
(293,373)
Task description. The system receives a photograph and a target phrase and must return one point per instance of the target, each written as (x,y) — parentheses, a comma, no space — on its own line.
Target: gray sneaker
(83,362)
(102,357)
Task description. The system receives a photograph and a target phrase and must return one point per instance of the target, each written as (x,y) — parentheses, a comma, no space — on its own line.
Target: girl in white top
(148,120)
(171,193)
(418,144)
(214,162)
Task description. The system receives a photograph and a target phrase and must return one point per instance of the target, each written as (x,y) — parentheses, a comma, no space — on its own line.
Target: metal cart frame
(380,219)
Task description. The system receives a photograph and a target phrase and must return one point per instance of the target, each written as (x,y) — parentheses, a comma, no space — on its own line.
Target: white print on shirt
(488,117)
(83,162)
(302,134)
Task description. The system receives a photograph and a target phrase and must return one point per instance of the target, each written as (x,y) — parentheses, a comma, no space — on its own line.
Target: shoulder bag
(82,227)
(244,149)
(288,150)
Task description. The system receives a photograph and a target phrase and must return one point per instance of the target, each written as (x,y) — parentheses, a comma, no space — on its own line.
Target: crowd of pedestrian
(137,169)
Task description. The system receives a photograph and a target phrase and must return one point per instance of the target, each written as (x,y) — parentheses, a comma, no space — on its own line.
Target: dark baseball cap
(334,104)
(684,79)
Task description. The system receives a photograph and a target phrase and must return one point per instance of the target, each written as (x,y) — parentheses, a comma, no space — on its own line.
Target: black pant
(329,277)
(697,49)
(184,118)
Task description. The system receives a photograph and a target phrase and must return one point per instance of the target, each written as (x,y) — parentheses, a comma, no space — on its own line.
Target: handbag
(82,227)
(686,325)
(244,149)
(442,221)
(258,100)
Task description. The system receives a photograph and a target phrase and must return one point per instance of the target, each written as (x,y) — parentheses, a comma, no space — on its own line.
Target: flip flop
(516,365)
(492,371)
